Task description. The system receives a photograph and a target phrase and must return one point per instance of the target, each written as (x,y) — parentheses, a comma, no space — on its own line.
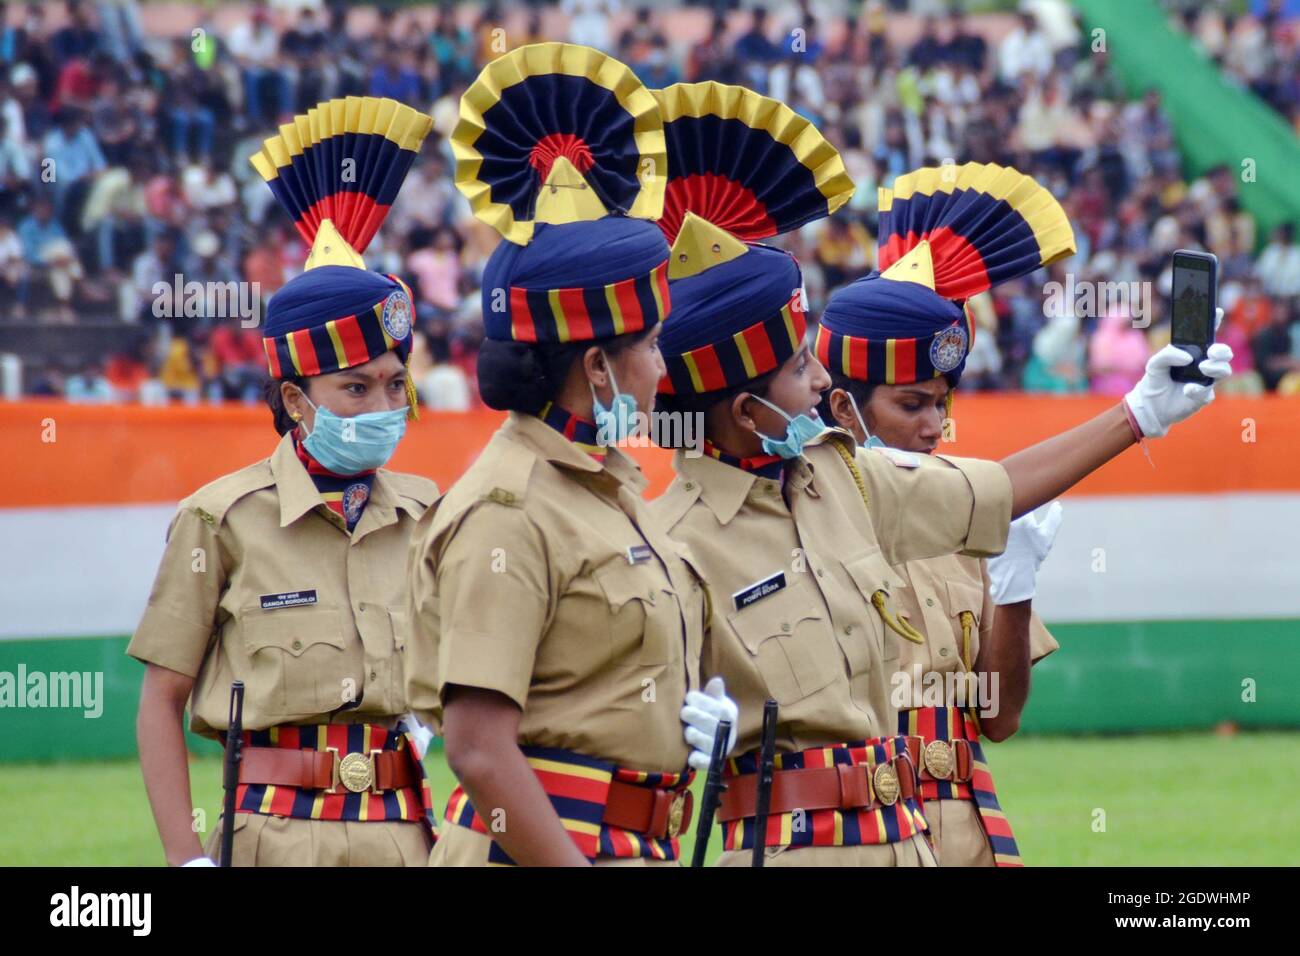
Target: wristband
(1137,431)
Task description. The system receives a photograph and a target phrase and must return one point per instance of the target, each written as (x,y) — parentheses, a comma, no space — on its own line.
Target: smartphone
(1195,279)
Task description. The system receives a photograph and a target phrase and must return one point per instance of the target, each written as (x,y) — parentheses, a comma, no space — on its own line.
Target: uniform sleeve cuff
(990,520)
(484,671)
(169,641)
(1041,642)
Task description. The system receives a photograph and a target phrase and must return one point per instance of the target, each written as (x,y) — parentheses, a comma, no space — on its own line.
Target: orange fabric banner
(61,454)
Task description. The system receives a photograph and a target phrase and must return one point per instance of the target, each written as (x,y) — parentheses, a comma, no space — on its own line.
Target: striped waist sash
(831,827)
(413,803)
(946,725)
(578,787)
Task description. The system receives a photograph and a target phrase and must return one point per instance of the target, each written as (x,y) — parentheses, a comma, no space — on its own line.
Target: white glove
(701,714)
(1157,401)
(1013,574)
(199,861)
(419,733)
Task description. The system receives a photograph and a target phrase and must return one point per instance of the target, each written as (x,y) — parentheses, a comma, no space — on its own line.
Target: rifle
(763,799)
(230,775)
(713,787)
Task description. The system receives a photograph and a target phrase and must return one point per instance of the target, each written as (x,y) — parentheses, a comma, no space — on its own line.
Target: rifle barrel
(230,770)
(713,787)
(763,798)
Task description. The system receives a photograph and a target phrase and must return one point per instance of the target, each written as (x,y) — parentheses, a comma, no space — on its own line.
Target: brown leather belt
(949,760)
(654,811)
(842,787)
(326,769)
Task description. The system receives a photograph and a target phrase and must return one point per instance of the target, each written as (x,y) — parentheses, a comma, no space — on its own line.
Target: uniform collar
(626,469)
(723,487)
(802,473)
(298,494)
(549,444)
(381,508)
(581,431)
(765,466)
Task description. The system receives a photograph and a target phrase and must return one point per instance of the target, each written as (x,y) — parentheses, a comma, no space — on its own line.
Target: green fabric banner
(1108,677)
(1215,121)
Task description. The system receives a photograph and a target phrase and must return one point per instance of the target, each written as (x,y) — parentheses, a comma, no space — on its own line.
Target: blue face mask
(800,429)
(616,423)
(363,442)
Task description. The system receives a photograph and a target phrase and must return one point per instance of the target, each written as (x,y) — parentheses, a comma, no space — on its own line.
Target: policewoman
(289,575)
(556,629)
(793,526)
(895,345)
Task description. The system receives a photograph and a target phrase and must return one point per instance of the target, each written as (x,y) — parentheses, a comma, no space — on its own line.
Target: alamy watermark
(683,430)
(1092,300)
(963,689)
(57,690)
(74,908)
(213,300)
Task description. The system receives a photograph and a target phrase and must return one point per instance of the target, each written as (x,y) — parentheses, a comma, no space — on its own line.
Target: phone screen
(1191,305)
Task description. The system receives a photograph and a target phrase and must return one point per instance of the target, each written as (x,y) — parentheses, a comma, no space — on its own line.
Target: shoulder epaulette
(512,466)
(416,487)
(211,502)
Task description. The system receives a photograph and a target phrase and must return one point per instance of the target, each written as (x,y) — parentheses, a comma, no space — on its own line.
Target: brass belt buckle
(885,782)
(676,810)
(939,759)
(356,771)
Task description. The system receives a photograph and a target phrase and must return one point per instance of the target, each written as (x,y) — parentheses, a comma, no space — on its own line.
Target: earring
(296,416)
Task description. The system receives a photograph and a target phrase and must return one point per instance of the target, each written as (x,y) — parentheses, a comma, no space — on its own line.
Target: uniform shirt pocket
(297,658)
(871,575)
(786,634)
(644,619)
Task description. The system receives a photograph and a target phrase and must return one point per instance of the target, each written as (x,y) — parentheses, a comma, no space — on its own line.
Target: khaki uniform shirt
(931,595)
(815,643)
(542,575)
(260,582)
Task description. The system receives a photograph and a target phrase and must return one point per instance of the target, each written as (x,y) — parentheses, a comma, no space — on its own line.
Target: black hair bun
(510,377)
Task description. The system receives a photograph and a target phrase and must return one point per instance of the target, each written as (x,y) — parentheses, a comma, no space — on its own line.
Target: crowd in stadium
(1260,52)
(150,136)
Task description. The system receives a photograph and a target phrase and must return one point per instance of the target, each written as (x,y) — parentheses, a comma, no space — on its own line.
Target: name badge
(639,554)
(759,590)
(288,599)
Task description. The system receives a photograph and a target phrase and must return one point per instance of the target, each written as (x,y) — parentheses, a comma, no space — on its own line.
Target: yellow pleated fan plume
(984,224)
(745,162)
(558,133)
(337,169)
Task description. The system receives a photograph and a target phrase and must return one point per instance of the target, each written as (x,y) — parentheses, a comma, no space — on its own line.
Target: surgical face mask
(363,442)
(798,431)
(871,440)
(613,424)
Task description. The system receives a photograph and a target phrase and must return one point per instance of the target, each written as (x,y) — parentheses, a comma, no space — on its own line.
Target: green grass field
(1184,799)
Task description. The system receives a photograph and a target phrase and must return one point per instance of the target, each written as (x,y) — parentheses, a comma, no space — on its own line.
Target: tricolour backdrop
(1174,590)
